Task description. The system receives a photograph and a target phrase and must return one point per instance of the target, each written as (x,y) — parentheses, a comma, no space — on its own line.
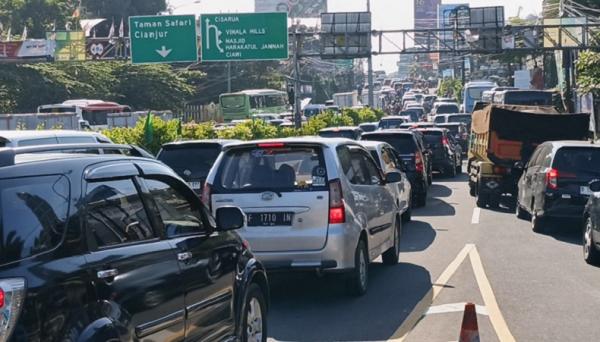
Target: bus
(524,97)
(473,93)
(242,105)
(92,114)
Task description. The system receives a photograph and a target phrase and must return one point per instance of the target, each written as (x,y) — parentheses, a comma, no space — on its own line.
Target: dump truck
(503,138)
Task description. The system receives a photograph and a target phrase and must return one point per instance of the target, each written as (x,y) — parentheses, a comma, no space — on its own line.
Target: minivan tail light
(271,145)
(13,294)
(418,163)
(552,179)
(206,194)
(337,210)
(445,141)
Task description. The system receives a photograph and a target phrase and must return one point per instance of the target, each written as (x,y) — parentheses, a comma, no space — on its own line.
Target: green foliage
(588,72)
(453,86)
(166,131)
(38,15)
(122,8)
(158,87)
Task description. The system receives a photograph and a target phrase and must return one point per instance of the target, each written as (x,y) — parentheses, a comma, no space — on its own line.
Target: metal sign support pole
(370,64)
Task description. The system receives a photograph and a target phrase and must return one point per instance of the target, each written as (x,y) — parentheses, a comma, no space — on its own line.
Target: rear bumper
(336,256)
(441,164)
(557,206)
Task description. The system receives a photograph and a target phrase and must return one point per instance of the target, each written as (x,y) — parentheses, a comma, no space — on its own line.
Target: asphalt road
(528,286)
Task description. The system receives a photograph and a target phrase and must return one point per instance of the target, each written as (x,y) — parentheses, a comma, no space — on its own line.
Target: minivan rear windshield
(446,109)
(390,123)
(190,162)
(432,137)
(34,212)
(460,118)
(578,160)
(279,168)
(338,134)
(403,143)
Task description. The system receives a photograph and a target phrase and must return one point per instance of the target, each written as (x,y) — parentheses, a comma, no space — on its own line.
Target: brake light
(552,179)
(419,163)
(13,294)
(499,170)
(337,210)
(1,298)
(271,145)
(206,193)
(445,141)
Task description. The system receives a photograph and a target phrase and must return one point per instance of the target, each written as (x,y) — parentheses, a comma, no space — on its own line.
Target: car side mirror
(230,218)
(519,165)
(595,185)
(393,177)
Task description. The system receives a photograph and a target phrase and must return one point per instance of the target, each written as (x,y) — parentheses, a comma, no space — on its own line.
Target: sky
(386,14)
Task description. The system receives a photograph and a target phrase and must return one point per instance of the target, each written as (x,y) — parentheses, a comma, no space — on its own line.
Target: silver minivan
(311,203)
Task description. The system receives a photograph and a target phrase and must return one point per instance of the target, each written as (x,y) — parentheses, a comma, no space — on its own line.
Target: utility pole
(297,113)
(229,77)
(370,63)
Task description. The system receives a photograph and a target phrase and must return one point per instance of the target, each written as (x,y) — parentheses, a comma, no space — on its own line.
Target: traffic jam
(183,245)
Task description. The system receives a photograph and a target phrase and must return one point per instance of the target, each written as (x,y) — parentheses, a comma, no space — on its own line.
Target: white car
(50,137)
(385,156)
(311,203)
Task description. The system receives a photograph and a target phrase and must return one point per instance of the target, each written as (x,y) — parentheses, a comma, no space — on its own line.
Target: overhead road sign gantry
(244,36)
(163,39)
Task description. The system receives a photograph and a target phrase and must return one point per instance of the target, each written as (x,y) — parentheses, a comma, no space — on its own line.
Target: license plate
(270,219)
(195,185)
(585,190)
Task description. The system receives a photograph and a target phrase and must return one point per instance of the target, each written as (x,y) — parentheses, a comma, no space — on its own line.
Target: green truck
(503,137)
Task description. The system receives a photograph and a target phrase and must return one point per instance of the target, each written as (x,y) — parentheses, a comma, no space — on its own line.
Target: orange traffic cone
(469,331)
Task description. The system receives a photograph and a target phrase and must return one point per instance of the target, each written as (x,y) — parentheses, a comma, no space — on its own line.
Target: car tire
(390,257)
(459,168)
(407,215)
(537,223)
(482,200)
(421,199)
(254,318)
(359,277)
(429,178)
(522,213)
(591,255)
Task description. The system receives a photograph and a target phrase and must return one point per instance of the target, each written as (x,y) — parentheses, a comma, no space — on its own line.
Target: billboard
(426,14)
(345,35)
(295,8)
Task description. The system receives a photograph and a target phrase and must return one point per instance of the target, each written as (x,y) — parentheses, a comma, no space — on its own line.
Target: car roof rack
(8,154)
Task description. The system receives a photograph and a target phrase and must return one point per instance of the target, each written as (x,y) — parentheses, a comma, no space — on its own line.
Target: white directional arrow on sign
(164,52)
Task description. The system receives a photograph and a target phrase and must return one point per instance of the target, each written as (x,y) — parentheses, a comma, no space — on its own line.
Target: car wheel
(459,168)
(254,318)
(430,179)
(422,199)
(482,200)
(537,223)
(590,253)
(521,213)
(390,257)
(359,278)
(407,216)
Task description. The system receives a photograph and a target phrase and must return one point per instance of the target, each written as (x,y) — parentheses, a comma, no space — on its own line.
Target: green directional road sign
(244,36)
(163,39)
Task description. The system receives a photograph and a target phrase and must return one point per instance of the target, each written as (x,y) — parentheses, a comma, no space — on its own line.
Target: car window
(582,161)
(532,161)
(403,143)
(115,213)
(34,211)
(339,134)
(545,157)
(77,140)
(285,168)
(179,216)
(389,160)
(439,119)
(190,162)
(375,156)
(38,141)
(358,167)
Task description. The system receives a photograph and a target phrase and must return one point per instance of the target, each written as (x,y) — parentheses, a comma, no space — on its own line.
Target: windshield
(34,212)
(432,137)
(476,93)
(282,169)
(403,143)
(232,101)
(390,123)
(338,134)
(578,160)
(447,109)
(460,118)
(528,98)
(191,162)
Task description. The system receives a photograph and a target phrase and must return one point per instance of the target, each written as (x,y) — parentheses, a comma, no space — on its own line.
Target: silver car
(311,203)
(386,158)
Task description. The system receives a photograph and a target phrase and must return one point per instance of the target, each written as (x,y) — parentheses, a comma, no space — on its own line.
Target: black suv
(409,148)
(445,154)
(192,159)
(117,248)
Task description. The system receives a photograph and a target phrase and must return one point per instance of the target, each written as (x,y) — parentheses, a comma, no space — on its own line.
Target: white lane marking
(475,217)
(498,322)
(455,307)
(421,307)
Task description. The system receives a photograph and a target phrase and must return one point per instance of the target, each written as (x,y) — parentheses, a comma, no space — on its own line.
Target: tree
(38,15)
(588,72)
(122,8)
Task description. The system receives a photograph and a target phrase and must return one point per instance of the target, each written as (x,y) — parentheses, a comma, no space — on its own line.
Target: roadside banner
(30,48)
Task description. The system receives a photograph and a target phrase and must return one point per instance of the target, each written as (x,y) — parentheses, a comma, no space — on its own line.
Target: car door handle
(111,273)
(184,256)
